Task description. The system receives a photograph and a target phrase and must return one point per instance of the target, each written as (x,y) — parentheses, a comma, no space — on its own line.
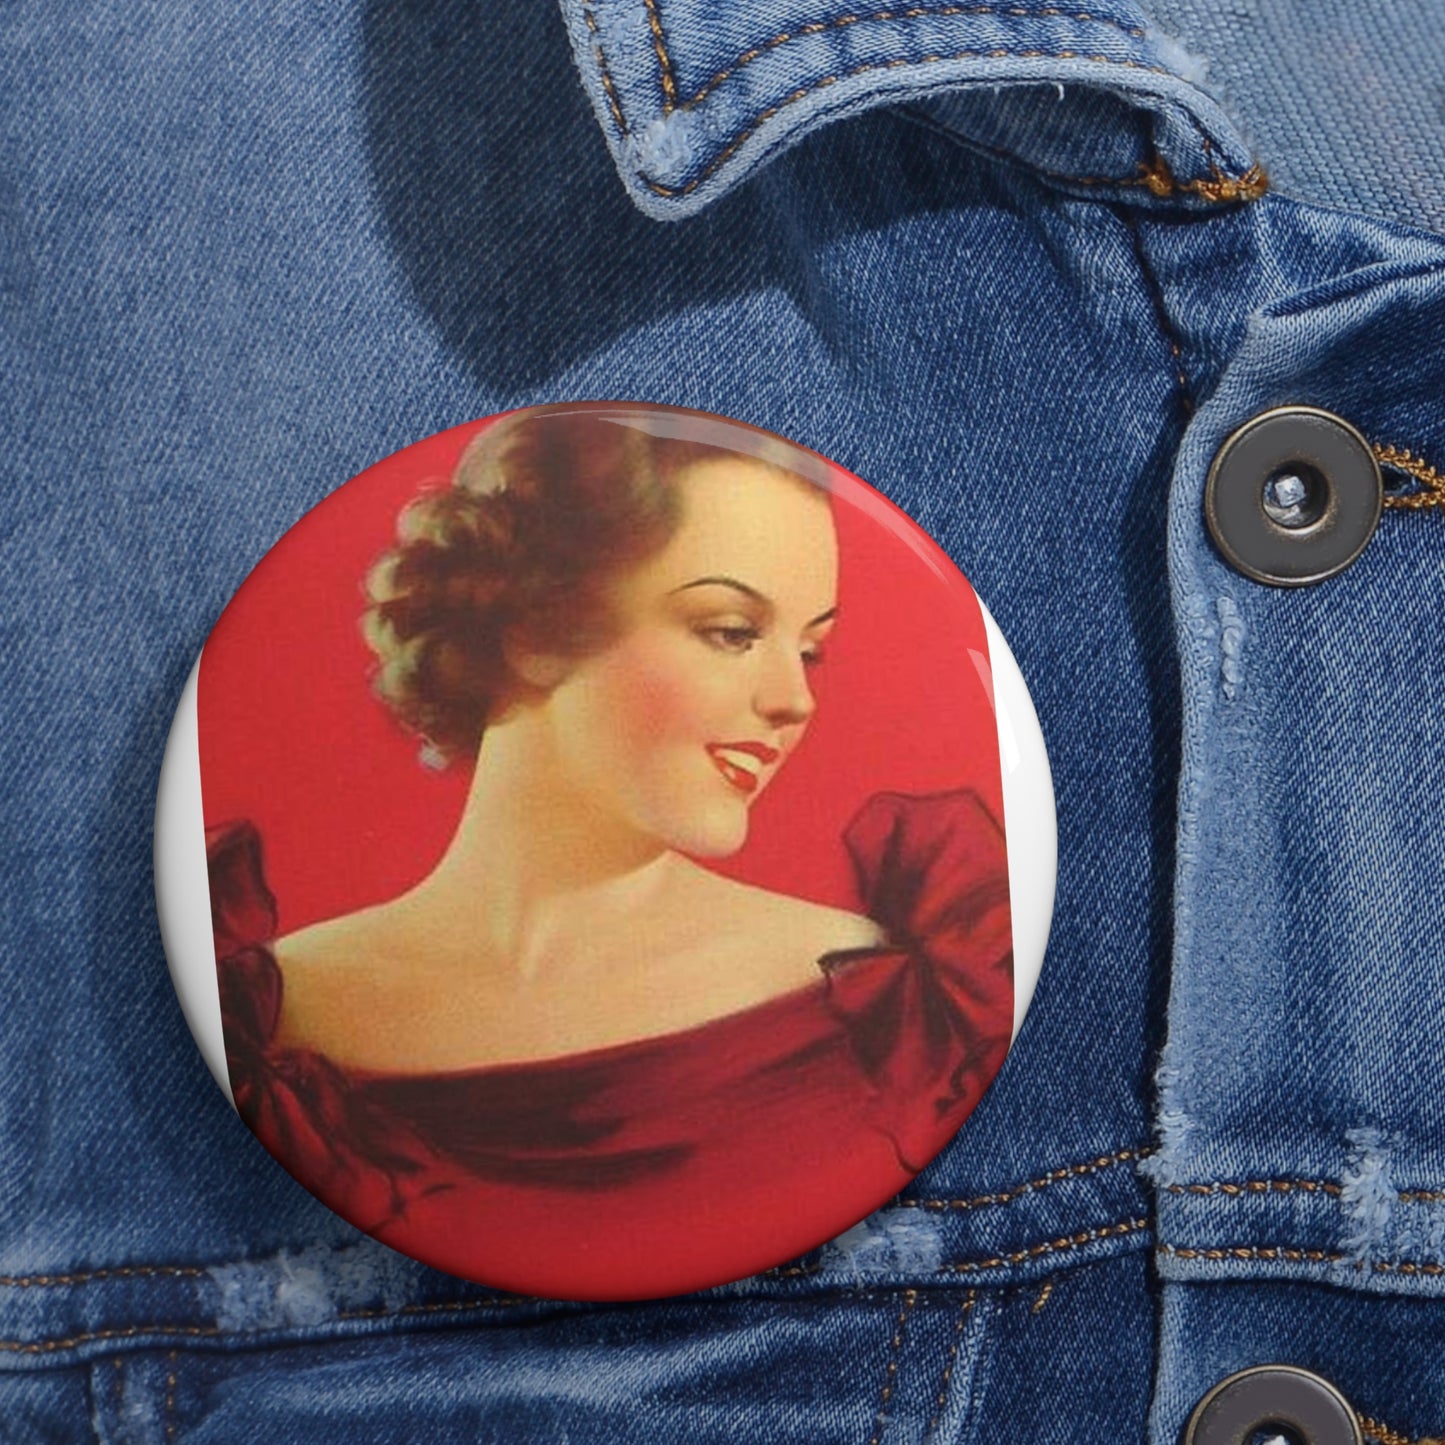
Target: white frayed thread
(1431,1231)
(1231,647)
(140,1411)
(613,25)
(1165,1165)
(310,1286)
(1176,57)
(668,147)
(1367,1195)
(894,1241)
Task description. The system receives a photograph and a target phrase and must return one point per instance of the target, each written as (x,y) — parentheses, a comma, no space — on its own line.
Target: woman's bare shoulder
(335,978)
(794,932)
(334,950)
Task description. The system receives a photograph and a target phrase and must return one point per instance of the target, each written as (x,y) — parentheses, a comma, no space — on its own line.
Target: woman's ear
(534,667)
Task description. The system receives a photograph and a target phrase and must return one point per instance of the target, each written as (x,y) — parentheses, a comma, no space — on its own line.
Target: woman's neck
(537,875)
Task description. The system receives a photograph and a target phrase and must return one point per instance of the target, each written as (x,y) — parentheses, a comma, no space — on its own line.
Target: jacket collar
(695,95)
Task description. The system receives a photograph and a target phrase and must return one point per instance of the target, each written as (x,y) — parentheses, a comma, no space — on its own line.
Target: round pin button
(1293,496)
(605,851)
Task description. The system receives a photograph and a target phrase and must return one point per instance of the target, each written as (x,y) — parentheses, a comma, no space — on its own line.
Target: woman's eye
(812,657)
(730,638)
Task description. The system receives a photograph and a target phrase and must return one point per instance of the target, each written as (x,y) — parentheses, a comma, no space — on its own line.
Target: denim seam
(1154,175)
(1054,1176)
(1053,1246)
(1407,1266)
(913,12)
(951,1361)
(127,1271)
(1043,1299)
(1382,1433)
(1297,1255)
(1375,1430)
(664,60)
(1221,188)
(443,1307)
(1022,1256)
(1161,312)
(170,1402)
(613,101)
(40,1347)
(1432,482)
(890,1375)
(1252,1251)
(1235,1189)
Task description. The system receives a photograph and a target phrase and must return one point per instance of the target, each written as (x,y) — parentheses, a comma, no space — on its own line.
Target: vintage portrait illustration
(606,851)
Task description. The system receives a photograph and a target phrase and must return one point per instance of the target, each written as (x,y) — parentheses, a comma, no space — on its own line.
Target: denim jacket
(1021,267)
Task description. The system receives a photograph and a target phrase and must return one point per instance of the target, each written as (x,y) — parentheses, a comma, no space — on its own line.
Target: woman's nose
(784,697)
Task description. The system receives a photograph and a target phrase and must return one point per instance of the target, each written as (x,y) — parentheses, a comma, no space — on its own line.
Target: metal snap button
(1293,496)
(1294,1403)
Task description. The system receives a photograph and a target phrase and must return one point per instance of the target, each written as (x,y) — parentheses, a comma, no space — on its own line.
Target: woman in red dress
(573,1060)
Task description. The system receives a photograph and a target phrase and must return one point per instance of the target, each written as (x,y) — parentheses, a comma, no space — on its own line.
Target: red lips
(741,763)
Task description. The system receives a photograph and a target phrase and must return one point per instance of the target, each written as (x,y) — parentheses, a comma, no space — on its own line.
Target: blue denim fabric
(1342,100)
(1026,288)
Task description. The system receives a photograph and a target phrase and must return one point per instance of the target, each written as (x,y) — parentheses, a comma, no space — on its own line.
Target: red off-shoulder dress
(672,1163)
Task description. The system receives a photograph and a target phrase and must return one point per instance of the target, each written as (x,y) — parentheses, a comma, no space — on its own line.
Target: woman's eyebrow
(752,592)
(727,582)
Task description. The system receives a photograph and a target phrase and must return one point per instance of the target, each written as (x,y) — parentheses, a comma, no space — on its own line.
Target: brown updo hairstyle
(547,507)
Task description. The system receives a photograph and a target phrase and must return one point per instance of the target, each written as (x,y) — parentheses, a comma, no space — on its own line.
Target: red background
(292,738)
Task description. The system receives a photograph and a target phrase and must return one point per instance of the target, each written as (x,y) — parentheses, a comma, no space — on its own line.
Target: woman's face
(678,726)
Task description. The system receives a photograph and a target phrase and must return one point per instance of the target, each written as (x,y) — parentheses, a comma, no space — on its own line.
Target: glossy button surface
(605,851)
(1293,496)
(1280,1398)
